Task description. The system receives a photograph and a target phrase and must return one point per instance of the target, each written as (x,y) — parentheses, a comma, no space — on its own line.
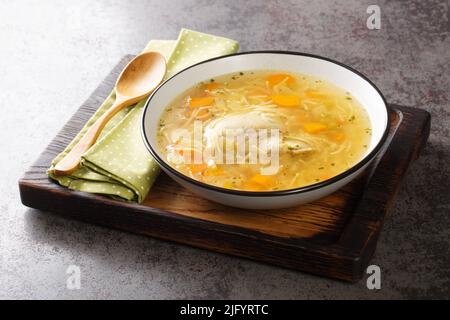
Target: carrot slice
(262,180)
(314,127)
(286,101)
(200,102)
(275,79)
(197,168)
(212,86)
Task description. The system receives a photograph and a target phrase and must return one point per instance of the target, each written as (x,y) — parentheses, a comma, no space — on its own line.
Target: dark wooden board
(334,236)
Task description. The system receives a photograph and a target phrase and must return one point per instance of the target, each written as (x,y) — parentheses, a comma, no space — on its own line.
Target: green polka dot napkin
(118,164)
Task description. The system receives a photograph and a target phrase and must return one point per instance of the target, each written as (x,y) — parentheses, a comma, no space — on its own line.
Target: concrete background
(52,55)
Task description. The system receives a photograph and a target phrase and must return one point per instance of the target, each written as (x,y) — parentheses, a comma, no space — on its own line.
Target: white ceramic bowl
(343,76)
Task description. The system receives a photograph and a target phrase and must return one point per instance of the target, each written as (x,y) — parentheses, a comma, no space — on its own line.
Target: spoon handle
(72,160)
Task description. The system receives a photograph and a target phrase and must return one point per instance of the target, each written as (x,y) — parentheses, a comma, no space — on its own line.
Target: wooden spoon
(139,78)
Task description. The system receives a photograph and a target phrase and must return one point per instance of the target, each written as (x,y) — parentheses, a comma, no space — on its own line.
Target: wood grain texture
(334,236)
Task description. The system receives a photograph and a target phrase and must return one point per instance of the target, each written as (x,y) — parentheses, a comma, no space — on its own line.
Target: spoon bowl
(139,78)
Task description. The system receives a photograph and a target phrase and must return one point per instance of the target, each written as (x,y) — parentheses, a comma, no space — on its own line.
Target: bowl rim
(361,163)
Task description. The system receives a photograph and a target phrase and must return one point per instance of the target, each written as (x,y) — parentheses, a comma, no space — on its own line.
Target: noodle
(323,130)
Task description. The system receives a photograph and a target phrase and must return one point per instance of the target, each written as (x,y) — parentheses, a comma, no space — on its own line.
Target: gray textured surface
(53,54)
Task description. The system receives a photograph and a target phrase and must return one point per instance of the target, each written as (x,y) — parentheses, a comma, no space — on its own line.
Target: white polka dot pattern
(118,165)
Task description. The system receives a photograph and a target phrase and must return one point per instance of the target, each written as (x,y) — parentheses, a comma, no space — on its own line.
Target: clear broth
(323,129)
